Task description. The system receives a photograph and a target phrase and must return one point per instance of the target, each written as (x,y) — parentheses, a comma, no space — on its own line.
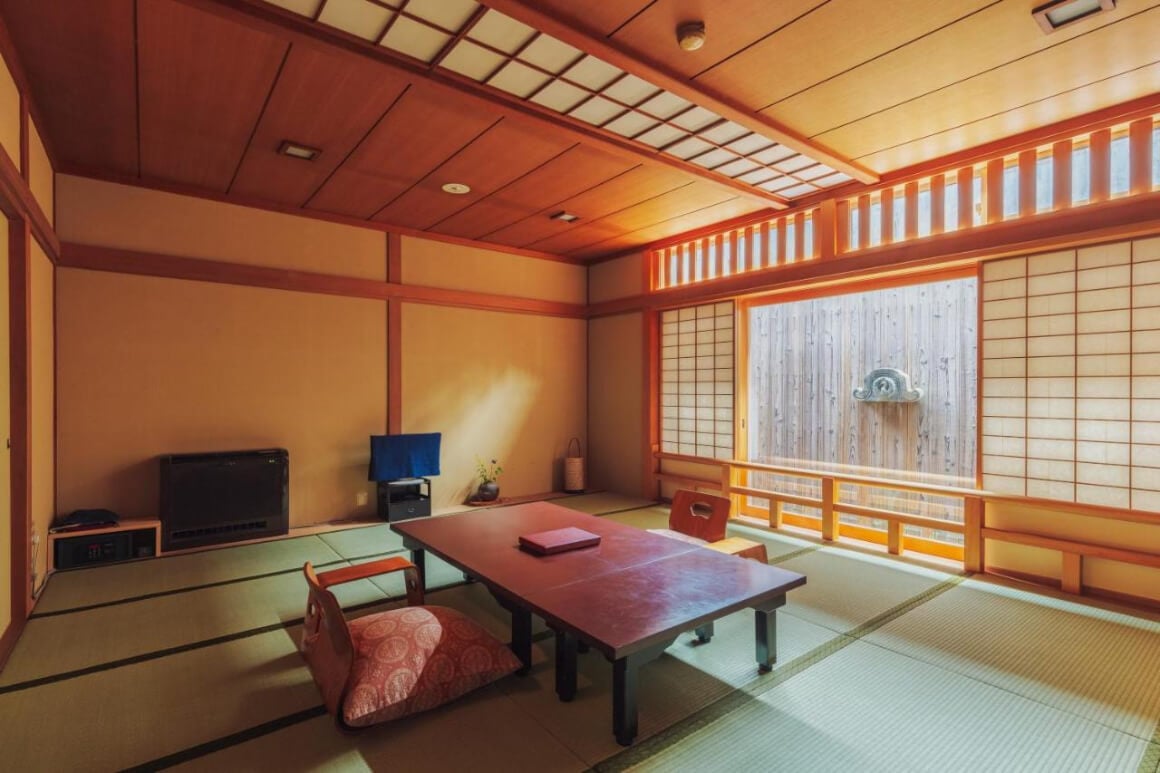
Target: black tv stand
(405,498)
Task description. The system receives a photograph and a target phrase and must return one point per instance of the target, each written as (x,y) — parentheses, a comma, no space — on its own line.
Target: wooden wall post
(973,534)
(1071,576)
(894,538)
(829,515)
(1100,158)
(775,513)
(1140,156)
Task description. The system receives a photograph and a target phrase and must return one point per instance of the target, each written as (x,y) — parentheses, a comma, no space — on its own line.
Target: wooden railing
(828,501)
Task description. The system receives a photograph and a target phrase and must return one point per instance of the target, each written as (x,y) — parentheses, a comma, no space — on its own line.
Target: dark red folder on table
(545,543)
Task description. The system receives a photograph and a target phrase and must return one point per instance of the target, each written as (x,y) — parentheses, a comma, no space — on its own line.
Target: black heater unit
(207,499)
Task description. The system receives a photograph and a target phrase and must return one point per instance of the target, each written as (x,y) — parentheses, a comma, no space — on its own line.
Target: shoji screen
(1071,375)
(697,381)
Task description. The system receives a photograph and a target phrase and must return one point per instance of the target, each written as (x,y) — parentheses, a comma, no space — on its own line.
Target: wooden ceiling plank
(416,135)
(995,36)
(93,53)
(840,34)
(313,89)
(666,206)
(1044,78)
(730,27)
(709,216)
(192,129)
(1026,118)
(300,30)
(620,192)
(541,192)
(503,153)
(719,101)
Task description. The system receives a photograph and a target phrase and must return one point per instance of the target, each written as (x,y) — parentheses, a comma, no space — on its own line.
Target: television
(225,496)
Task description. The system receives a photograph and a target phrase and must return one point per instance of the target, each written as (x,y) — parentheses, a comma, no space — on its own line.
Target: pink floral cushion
(416,658)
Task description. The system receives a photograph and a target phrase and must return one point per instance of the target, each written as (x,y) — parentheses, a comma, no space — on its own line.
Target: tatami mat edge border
(740,697)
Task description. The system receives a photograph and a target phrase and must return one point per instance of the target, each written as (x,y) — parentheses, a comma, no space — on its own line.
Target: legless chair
(398,662)
(696,517)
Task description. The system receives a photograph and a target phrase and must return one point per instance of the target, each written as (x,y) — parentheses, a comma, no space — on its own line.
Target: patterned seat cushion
(416,658)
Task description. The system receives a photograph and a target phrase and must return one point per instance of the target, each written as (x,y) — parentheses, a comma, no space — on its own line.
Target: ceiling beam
(592,42)
(298,29)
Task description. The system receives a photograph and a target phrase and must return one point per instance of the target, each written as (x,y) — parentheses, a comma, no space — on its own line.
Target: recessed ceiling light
(295,150)
(567,217)
(457,188)
(1059,13)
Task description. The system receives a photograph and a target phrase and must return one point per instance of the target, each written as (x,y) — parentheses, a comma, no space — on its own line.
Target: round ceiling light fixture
(691,35)
(457,188)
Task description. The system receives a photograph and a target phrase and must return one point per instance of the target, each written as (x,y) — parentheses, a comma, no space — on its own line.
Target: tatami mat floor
(190,661)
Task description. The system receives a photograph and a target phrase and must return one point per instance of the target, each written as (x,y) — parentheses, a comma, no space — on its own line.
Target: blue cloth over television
(404,456)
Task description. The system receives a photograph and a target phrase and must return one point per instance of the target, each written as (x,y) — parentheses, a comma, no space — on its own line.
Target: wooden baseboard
(1126,599)
(8,640)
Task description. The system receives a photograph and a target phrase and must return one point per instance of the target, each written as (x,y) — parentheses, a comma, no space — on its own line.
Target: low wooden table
(628,597)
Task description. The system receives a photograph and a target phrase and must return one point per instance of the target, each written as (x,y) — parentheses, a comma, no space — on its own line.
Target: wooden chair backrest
(326,642)
(699,515)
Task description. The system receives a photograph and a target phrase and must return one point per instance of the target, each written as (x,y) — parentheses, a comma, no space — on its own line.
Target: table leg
(522,638)
(766,633)
(521,630)
(566,645)
(625,678)
(704,632)
(766,640)
(419,559)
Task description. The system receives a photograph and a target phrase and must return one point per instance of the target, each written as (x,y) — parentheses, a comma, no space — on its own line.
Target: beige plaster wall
(497,385)
(9,115)
(616,359)
(619,278)
(112,215)
(151,366)
(40,173)
(458,267)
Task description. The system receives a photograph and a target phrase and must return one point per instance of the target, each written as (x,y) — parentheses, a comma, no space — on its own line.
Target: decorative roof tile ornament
(887,385)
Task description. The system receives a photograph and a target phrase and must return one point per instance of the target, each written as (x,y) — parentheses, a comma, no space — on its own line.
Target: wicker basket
(574,469)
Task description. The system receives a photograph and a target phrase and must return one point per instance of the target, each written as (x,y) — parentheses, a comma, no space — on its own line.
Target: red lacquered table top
(629,592)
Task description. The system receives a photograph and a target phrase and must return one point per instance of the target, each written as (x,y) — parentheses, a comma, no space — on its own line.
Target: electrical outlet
(361,499)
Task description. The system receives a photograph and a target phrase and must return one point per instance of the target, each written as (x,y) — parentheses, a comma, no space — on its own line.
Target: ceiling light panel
(560,96)
(474,61)
(518,79)
(592,73)
(304,7)
(630,90)
(631,124)
(358,17)
(714,158)
(597,111)
(550,54)
(662,135)
(449,14)
(414,39)
(510,56)
(688,148)
(501,32)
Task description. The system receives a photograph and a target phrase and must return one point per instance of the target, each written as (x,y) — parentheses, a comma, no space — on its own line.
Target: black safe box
(105,548)
(404,498)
